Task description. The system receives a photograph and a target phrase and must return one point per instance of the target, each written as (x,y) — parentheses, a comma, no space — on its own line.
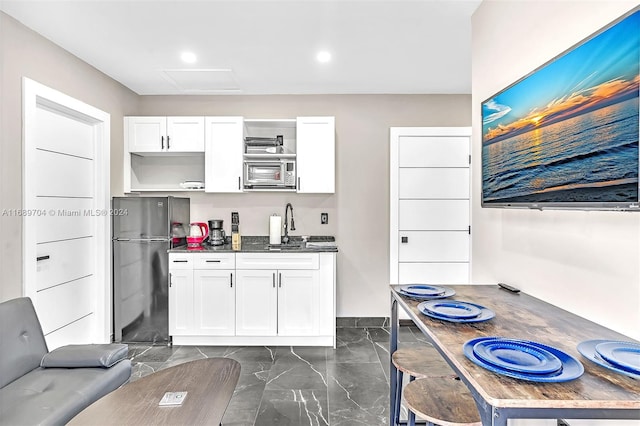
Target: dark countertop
(253,244)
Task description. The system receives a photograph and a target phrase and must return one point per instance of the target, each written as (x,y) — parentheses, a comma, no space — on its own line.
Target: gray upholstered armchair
(42,387)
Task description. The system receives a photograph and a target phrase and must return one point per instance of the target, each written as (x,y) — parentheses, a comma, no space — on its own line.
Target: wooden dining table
(599,393)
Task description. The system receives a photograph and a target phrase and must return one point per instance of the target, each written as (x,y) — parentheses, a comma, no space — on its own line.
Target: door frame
(36,95)
(395,133)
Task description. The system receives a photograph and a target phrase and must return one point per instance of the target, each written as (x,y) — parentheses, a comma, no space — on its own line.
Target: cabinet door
(315,153)
(256,303)
(180,302)
(223,154)
(146,134)
(185,134)
(298,302)
(214,302)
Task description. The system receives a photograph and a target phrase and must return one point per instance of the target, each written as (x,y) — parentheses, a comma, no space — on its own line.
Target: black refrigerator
(144,229)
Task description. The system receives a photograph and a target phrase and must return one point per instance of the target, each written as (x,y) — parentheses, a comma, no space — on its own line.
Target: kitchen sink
(280,247)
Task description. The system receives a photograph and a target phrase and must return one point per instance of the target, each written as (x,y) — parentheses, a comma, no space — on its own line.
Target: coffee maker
(216,233)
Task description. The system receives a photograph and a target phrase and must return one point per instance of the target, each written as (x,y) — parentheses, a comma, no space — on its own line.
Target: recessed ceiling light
(323,56)
(188,57)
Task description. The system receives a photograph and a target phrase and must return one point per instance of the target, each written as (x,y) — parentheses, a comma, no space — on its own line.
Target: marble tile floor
(280,385)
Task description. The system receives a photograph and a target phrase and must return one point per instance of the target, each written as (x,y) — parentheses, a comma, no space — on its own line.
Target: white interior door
(430,209)
(66,223)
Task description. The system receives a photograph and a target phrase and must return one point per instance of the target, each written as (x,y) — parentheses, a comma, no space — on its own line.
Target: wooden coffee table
(209,382)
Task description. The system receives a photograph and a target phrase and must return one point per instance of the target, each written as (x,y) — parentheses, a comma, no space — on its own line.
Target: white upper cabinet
(316,154)
(164,134)
(223,154)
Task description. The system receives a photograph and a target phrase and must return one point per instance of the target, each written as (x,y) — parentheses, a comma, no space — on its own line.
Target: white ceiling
(264,46)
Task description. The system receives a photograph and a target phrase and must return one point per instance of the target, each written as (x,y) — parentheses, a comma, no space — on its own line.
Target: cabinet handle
(298,184)
(274,280)
(39,258)
(162,141)
(180,261)
(212,261)
(238,183)
(404,240)
(168,142)
(231,280)
(280,280)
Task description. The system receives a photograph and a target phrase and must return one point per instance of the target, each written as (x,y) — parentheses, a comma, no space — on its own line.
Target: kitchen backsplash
(255,208)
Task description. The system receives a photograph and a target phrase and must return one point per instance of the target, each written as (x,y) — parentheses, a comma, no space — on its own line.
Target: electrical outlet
(324,218)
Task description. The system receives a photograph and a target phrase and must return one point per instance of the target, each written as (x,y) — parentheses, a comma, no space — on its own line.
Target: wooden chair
(441,401)
(419,363)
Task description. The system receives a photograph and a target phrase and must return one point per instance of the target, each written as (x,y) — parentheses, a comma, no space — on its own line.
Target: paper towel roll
(275,229)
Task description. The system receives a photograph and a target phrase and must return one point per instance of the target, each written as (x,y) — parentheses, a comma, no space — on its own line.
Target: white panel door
(445,183)
(256,303)
(72,218)
(185,134)
(426,151)
(434,246)
(428,215)
(65,261)
(67,235)
(430,207)
(223,154)
(63,175)
(434,273)
(62,305)
(298,302)
(214,297)
(315,154)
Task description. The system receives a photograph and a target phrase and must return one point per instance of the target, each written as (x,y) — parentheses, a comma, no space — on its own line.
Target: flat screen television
(566,135)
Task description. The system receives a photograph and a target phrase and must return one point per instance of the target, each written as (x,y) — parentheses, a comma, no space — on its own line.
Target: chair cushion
(22,343)
(73,356)
(56,395)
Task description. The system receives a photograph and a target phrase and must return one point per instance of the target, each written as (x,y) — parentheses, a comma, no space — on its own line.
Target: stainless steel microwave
(265,174)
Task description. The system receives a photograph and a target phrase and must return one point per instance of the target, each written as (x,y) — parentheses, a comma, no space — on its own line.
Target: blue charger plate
(423,289)
(588,350)
(452,308)
(625,355)
(448,292)
(571,367)
(517,355)
(485,314)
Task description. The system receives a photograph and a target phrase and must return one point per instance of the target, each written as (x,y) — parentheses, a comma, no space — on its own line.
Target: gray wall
(359,210)
(585,262)
(25,53)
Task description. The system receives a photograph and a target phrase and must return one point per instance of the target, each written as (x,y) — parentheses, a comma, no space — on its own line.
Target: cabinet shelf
(274,157)
(165,173)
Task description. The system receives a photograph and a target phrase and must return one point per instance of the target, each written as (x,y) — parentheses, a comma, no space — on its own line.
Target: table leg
(393,373)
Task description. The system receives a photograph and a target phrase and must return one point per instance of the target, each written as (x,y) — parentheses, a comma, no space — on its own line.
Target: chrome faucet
(285,239)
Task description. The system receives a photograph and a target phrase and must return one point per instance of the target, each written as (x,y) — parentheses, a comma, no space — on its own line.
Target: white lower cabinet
(180,302)
(277,302)
(214,301)
(201,294)
(268,299)
(298,303)
(256,303)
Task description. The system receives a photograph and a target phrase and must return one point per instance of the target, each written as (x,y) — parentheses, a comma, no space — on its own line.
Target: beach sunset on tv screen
(568,133)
